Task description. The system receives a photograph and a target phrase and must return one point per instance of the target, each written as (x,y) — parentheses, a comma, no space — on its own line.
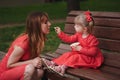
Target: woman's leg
(24,72)
(29,71)
(16,73)
(32,73)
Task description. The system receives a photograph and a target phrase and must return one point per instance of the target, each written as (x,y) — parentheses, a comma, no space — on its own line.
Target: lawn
(18,14)
(58,10)
(101,5)
(7,35)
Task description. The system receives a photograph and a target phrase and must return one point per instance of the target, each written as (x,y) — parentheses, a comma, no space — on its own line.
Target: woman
(22,61)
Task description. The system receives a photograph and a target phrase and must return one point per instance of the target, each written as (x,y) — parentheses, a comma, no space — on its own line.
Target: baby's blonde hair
(82,19)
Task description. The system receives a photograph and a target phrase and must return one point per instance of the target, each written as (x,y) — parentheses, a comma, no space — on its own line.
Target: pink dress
(15,73)
(89,56)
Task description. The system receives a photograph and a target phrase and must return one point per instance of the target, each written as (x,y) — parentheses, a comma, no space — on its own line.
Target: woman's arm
(15,56)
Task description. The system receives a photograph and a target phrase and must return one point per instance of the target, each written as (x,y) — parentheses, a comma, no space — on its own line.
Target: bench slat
(61,51)
(112,55)
(111,70)
(100,32)
(107,22)
(112,63)
(53,55)
(45,56)
(64,46)
(107,32)
(99,21)
(98,14)
(92,74)
(112,45)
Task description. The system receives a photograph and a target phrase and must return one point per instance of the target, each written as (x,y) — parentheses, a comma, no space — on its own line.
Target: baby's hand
(76,46)
(57,30)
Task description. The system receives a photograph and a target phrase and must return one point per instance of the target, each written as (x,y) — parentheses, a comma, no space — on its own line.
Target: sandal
(58,69)
(46,63)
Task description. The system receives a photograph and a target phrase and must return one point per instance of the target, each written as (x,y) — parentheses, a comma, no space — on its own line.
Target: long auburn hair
(34,31)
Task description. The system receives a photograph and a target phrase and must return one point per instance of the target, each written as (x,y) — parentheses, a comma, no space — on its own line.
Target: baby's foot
(59,69)
(47,62)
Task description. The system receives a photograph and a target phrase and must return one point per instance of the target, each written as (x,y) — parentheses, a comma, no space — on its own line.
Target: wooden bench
(107,30)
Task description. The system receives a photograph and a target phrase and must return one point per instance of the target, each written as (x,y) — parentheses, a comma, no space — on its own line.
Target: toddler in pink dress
(85,51)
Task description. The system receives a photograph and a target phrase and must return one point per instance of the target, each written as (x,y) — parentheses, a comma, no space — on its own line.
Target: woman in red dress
(22,61)
(85,51)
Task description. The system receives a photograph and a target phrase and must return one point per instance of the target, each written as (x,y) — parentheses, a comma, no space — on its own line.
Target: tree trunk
(73,5)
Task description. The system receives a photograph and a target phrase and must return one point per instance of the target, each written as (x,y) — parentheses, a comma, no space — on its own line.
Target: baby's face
(79,28)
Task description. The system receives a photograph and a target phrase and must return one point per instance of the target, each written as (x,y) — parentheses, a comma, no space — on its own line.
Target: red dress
(15,73)
(89,56)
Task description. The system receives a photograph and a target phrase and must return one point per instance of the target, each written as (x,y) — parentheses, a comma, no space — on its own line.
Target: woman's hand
(57,30)
(37,62)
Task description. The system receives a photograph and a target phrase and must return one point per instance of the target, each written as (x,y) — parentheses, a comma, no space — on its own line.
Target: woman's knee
(29,71)
(29,68)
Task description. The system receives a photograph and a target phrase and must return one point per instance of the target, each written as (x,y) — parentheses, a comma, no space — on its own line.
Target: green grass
(18,14)
(7,35)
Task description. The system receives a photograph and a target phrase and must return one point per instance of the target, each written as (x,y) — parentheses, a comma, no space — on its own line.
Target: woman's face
(46,26)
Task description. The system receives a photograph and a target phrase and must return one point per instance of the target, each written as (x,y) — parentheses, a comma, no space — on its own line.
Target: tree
(73,5)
